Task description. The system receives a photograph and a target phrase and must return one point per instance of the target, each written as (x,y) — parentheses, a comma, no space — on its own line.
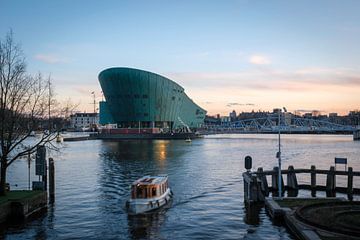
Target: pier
(256,187)
(307,218)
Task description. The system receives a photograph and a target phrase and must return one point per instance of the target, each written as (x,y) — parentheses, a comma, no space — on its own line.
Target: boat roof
(150,180)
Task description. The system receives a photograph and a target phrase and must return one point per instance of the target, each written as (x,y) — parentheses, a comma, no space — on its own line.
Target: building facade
(84,121)
(142,99)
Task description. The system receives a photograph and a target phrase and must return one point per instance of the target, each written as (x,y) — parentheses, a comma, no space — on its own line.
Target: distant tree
(24,102)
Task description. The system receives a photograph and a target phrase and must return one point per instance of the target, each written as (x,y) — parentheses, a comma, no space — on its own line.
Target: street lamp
(278,155)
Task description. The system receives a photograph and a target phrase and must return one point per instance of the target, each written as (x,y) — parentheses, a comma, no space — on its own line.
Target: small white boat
(149,193)
(59,138)
(188,140)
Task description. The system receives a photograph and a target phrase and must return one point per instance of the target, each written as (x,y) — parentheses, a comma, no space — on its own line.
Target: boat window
(146,193)
(153,191)
(139,192)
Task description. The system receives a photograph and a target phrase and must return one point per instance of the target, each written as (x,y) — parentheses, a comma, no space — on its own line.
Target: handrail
(303,170)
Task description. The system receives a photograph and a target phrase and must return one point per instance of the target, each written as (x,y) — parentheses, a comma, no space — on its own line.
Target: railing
(256,187)
(270,124)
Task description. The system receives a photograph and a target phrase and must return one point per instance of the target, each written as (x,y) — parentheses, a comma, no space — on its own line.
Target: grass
(17,195)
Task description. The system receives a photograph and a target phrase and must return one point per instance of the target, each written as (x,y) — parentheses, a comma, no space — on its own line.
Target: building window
(145,96)
(173,98)
(136,96)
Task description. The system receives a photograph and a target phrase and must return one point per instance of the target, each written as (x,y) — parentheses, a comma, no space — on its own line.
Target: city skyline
(239,55)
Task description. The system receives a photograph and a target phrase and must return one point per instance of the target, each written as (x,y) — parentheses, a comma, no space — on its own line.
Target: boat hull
(138,206)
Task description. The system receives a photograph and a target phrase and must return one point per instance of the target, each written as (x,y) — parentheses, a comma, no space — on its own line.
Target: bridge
(270,124)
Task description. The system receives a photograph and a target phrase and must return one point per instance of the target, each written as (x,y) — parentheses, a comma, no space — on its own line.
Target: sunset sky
(240,55)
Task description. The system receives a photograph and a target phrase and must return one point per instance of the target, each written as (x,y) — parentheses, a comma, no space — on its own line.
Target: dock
(134,136)
(314,217)
(257,188)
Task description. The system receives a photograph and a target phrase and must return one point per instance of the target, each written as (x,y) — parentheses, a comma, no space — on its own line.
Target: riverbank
(17,206)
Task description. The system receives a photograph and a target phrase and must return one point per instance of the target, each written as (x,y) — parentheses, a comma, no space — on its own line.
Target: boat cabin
(149,187)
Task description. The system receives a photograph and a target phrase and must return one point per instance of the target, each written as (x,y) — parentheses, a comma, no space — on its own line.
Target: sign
(40,161)
(340,160)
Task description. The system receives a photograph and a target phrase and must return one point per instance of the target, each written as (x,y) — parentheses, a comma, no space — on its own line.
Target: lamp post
(278,155)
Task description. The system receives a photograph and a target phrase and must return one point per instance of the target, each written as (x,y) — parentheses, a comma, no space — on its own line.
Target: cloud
(49,58)
(239,104)
(259,60)
(269,79)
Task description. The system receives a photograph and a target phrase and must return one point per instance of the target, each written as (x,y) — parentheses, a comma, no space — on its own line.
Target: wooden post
(330,183)
(51,180)
(313,180)
(350,184)
(264,183)
(274,180)
(292,183)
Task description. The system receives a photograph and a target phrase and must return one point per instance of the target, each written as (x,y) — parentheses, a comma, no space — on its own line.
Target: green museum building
(137,99)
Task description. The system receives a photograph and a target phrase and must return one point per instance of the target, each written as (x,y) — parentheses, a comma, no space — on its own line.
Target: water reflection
(252,213)
(145,226)
(122,163)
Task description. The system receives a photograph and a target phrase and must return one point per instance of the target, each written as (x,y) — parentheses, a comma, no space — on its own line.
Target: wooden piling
(51,180)
(331,183)
(264,184)
(313,180)
(350,184)
(275,179)
(252,188)
(292,183)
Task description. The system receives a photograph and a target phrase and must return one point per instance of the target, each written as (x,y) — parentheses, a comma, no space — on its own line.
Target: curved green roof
(137,95)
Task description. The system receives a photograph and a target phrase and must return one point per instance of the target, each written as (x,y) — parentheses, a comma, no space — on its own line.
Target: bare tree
(23,104)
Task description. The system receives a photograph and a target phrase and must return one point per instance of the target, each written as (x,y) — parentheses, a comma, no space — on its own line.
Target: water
(93,178)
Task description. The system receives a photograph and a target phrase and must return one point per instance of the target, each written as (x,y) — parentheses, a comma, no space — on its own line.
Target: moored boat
(149,193)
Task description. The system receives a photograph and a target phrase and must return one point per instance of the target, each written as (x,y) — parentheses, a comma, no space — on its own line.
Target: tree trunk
(3,178)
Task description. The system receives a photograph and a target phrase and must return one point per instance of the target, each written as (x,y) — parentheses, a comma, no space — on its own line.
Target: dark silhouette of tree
(24,102)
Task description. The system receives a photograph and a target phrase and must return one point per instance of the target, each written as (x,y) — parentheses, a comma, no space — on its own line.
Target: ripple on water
(93,179)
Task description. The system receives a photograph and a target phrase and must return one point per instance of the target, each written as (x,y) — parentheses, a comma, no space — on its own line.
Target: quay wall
(18,210)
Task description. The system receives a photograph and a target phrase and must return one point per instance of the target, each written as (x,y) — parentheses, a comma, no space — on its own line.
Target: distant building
(333,115)
(209,120)
(288,118)
(84,120)
(276,110)
(308,115)
(232,116)
(225,119)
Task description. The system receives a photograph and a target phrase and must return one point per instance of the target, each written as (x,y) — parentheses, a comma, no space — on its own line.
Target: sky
(228,55)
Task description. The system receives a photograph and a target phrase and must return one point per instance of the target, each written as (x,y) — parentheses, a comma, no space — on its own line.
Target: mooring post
(313,180)
(292,182)
(331,183)
(51,180)
(264,183)
(350,184)
(275,180)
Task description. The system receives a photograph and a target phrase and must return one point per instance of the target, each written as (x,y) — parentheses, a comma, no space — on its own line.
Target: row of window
(149,192)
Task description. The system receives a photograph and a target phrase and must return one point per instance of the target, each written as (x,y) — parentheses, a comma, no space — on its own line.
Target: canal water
(93,178)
